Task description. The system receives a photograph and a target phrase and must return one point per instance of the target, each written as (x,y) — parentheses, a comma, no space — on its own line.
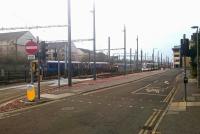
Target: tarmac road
(127,109)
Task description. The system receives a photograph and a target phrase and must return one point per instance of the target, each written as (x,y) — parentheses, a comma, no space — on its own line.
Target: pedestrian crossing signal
(185,47)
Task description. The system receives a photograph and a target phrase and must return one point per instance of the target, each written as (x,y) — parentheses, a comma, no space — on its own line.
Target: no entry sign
(31,47)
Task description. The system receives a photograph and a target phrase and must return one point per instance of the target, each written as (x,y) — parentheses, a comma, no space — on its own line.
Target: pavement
(51,83)
(183,117)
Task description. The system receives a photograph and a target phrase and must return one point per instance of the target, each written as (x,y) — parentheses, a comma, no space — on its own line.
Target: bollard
(30,92)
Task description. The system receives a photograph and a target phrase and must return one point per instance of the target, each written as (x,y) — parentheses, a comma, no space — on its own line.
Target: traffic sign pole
(39,56)
(31,48)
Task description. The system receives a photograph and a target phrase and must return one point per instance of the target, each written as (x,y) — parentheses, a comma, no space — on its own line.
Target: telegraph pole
(153,58)
(69,44)
(137,55)
(124,50)
(161,59)
(141,58)
(131,59)
(94,43)
(109,49)
(158,60)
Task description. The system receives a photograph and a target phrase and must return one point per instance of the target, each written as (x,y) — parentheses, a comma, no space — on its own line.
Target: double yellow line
(149,124)
(167,99)
(154,120)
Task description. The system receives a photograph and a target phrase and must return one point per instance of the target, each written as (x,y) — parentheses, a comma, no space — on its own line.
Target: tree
(193,54)
(101,57)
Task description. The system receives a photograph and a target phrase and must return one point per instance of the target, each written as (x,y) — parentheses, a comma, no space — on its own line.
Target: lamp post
(196,27)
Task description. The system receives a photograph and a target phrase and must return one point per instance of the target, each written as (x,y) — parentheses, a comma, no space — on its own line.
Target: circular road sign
(31,47)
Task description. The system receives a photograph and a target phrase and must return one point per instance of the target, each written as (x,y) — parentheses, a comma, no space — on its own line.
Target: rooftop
(11,35)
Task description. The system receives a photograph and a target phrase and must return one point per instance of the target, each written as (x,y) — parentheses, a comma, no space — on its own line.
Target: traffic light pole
(185,76)
(38,70)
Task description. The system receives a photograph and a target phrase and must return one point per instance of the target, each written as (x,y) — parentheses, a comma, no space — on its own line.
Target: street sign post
(31,48)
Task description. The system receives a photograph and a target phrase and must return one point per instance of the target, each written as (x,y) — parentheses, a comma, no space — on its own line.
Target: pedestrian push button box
(30,92)
(185,79)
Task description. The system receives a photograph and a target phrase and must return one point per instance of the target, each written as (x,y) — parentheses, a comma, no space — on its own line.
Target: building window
(177,60)
(176,55)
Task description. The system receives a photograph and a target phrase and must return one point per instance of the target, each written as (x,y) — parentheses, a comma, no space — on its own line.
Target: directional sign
(31,47)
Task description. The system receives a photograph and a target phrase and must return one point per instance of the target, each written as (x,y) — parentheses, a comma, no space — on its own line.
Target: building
(13,43)
(177,62)
(58,49)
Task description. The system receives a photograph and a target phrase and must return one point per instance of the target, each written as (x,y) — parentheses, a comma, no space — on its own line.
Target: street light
(196,27)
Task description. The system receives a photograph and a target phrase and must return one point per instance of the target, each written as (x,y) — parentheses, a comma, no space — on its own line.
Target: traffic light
(43,53)
(185,47)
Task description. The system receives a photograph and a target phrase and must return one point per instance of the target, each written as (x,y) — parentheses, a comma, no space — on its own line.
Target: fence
(13,74)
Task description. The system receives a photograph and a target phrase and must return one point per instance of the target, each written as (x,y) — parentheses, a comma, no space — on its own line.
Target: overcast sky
(158,23)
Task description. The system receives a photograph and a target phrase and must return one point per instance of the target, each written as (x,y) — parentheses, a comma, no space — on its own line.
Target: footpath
(101,83)
(183,117)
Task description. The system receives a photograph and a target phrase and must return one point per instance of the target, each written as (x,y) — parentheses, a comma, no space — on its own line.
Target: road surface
(127,109)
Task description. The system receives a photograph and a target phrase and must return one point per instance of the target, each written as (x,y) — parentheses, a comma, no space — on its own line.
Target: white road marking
(53,96)
(149,90)
(166,82)
(151,94)
(140,89)
(3,115)
(67,108)
(155,81)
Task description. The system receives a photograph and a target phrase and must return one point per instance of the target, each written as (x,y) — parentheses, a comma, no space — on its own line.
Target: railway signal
(43,53)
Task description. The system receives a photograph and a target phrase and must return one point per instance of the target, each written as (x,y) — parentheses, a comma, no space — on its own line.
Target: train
(86,68)
(78,68)
(149,66)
